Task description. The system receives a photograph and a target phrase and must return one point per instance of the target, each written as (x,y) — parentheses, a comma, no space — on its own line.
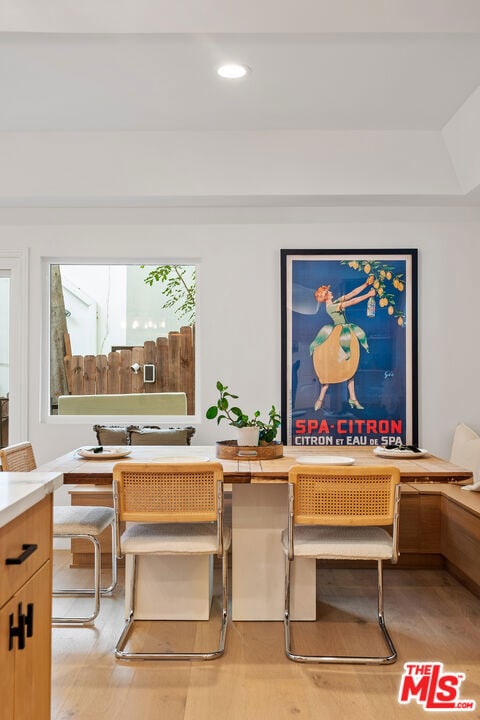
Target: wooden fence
(173,357)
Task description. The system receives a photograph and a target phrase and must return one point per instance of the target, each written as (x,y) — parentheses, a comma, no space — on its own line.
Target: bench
(456,514)
(439,528)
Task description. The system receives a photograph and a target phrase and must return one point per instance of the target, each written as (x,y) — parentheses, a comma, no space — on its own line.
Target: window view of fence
(121,330)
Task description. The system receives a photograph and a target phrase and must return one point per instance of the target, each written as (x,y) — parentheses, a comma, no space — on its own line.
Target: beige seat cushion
(171,538)
(76,520)
(340,543)
(159,436)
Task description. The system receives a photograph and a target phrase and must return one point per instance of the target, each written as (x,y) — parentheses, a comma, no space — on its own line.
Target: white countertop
(19,491)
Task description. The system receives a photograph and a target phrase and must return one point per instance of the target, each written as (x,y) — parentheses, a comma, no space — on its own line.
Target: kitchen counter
(19,491)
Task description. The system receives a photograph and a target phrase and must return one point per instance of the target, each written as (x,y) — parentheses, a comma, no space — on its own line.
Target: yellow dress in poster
(336,348)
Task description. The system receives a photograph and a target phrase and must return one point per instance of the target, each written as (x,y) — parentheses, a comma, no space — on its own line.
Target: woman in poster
(336,348)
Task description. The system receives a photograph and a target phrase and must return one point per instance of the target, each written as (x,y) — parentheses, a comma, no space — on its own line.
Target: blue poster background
(381,379)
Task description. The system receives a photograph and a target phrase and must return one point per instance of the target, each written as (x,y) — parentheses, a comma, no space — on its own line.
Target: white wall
(239,296)
(462,135)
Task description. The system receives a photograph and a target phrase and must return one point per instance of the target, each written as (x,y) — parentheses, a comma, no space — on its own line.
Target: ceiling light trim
(233,71)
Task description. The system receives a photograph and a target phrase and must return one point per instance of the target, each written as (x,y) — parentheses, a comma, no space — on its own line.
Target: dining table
(259,503)
(98,469)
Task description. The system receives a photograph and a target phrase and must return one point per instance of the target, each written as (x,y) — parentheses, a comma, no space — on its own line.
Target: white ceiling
(407,71)
(352,81)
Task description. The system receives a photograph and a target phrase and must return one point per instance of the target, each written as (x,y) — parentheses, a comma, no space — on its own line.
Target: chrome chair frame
(221,552)
(289,558)
(97,591)
(21,458)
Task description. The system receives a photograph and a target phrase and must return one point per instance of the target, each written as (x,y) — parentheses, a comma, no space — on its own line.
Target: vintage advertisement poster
(349,325)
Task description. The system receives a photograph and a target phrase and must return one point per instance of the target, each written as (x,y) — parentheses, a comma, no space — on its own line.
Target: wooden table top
(77,470)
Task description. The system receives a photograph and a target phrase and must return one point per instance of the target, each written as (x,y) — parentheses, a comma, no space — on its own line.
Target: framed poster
(349,347)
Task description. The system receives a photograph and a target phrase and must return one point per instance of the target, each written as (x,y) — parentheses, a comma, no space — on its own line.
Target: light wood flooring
(430,616)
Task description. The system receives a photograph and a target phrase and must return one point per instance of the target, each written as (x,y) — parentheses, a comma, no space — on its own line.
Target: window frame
(16,262)
(160,420)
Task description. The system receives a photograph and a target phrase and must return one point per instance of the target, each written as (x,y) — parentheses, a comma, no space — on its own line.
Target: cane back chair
(69,522)
(171,509)
(341,513)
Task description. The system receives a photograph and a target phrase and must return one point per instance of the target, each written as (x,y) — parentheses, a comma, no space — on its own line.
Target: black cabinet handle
(17,631)
(28,619)
(25,622)
(27,551)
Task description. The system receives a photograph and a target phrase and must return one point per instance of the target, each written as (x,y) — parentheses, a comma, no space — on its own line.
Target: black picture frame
(357,384)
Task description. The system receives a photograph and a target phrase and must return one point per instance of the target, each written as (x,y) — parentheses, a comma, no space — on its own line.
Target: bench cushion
(143,435)
(159,436)
(111,435)
(466,452)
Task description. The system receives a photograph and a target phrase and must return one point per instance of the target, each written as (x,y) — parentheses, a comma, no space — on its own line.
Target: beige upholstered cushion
(465,447)
(159,436)
(466,453)
(338,543)
(171,538)
(111,435)
(475,487)
(73,520)
(143,435)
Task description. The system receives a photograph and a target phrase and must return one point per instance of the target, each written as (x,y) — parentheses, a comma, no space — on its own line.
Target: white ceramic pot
(247,436)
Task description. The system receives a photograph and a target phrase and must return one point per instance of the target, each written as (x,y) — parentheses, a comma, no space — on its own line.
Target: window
(122,340)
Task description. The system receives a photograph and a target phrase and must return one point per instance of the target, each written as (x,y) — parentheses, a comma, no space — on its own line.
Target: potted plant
(252,429)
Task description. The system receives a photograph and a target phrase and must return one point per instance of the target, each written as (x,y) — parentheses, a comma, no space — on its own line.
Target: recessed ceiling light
(233,71)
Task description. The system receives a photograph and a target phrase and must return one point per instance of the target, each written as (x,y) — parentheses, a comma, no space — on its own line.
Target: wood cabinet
(25,614)
(461,542)
(420,531)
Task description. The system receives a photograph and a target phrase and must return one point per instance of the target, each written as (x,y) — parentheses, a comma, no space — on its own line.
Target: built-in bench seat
(454,514)
(439,528)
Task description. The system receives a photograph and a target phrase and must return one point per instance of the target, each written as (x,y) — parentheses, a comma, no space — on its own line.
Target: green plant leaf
(237,418)
(181,296)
